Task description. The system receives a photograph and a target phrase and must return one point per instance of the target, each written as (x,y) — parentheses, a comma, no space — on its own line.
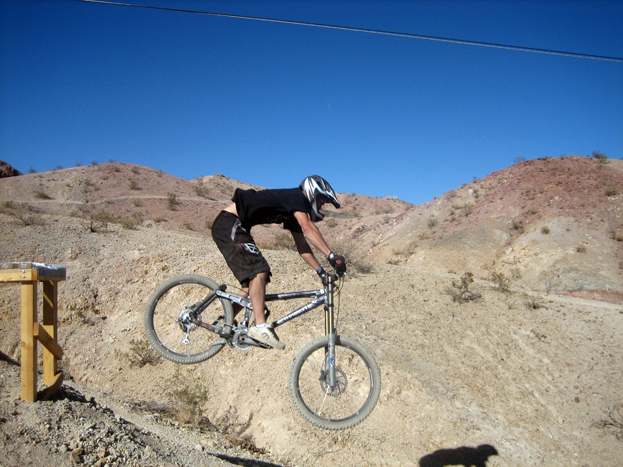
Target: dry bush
(23,213)
(188,395)
(356,262)
(460,291)
(501,282)
(613,423)
(141,354)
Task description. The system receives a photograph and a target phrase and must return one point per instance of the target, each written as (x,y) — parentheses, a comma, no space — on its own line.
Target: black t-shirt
(271,207)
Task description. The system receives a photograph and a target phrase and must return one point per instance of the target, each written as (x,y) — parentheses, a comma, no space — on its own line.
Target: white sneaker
(266,336)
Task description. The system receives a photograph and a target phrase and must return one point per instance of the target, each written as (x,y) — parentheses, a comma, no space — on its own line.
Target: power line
(376,31)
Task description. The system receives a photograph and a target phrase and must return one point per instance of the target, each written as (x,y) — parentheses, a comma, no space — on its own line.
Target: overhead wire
(374,31)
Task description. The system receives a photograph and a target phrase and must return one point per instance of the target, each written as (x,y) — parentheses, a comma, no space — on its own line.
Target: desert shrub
(460,291)
(95,218)
(549,279)
(602,159)
(172,202)
(356,262)
(516,226)
(23,213)
(545,230)
(132,221)
(612,424)
(133,184)
(188,397)
(610,192)
(405,250)
(534,303)
(501,282)
(40,193)
(141,354)
(201,189)
(432,222)
(616,236)
(581,249)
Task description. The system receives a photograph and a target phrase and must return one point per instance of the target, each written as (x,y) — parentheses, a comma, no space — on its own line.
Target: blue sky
(269,103)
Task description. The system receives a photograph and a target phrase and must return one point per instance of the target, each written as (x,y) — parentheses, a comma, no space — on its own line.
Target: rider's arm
(312,234)
(305,250)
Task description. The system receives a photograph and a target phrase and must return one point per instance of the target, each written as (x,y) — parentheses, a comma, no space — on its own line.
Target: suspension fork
(330,332)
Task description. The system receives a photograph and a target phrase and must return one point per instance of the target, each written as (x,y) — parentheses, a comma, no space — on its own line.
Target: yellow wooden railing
(29,275)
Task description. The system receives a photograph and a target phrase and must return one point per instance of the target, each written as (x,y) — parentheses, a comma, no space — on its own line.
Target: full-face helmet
(315,187)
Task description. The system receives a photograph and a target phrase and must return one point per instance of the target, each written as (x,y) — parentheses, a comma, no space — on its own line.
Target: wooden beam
(29,343)
(52,388)
(50,302)
(48,341)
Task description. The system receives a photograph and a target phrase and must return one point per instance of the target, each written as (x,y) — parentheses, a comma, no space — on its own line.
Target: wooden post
(29,275)
(29,343)
(50,312)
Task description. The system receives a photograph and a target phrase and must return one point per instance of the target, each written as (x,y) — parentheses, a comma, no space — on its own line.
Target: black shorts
(243,256)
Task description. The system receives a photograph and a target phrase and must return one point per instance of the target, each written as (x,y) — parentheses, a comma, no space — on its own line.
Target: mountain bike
(334,381)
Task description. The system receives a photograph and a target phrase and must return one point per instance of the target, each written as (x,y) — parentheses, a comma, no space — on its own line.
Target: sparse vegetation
(188,395)
(40,193)
(172,202)
(616,236)
(23,213)
(95,218)
(534,302)
(141,353)
(516,226)
(612,424)
(602,159)
(545,230)
(501,282)
(581,249)
(133,220)
(460,291)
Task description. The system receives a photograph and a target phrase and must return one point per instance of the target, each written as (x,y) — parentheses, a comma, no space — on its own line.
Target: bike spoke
(350,393)
(171,322)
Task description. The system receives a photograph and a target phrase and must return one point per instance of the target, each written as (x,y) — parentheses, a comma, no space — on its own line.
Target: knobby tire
(354,397)
(162,324)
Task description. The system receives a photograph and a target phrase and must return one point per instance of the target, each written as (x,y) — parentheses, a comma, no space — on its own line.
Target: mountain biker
(298,209)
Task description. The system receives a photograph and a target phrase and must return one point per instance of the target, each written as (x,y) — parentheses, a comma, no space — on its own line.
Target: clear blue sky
(269,103)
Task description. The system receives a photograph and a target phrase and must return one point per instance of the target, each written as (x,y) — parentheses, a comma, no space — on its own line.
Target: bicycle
(334,381)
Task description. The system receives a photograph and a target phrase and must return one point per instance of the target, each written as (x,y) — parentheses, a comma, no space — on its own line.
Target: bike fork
(330,331)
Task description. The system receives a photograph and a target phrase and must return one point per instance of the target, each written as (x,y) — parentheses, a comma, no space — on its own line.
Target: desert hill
(554,223)
(526,372)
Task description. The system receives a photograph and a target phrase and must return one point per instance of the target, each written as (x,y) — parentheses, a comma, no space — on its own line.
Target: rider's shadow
(465,456)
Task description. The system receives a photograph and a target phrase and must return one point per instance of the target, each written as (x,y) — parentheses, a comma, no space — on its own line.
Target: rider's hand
(338,262)
(320,272)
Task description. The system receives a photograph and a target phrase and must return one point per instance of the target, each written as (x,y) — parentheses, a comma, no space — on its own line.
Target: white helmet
(315,186)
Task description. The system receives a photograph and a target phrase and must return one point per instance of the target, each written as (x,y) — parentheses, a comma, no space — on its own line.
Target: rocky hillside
(547,224)
(505,376)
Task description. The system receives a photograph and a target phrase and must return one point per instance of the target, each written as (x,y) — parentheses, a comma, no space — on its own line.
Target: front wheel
(168,319)
(356,387)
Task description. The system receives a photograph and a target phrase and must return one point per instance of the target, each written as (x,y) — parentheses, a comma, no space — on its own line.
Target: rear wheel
(167,319)
(355,392)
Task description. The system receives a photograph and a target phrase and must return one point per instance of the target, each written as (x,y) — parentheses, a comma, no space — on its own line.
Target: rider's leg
(257,291)
(244,293)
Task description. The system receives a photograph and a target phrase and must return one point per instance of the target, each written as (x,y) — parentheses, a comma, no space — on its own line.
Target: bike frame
(320,297)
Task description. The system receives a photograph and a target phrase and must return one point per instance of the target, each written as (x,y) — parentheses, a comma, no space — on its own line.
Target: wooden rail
(29,275)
